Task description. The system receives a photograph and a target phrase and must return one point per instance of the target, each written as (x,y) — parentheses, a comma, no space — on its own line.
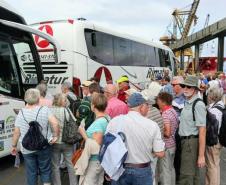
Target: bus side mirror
(93,38)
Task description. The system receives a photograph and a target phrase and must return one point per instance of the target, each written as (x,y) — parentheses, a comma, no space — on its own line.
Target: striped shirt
(170,117)
(61,113)
(30,115)
(155,115)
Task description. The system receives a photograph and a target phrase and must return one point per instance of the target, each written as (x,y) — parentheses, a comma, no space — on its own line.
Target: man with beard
(192,131)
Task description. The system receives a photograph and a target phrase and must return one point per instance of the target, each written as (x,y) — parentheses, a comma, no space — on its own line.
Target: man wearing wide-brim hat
(192,131)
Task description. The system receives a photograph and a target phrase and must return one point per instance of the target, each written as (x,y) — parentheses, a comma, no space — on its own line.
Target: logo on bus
(107,74)
(42,43)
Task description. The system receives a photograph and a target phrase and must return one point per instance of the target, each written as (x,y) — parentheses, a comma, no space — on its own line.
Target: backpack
(74,104)
(212,126)
(85,112)
(34,139)
(70,134)
(222,133)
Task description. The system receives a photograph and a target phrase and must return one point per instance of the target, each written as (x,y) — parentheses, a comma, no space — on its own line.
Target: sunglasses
(185,86)
(174,85)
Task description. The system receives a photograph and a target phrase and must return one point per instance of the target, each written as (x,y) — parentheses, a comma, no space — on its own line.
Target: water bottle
(17,161)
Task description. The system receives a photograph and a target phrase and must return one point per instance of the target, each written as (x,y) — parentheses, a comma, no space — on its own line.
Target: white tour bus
(20,69)
(88,50)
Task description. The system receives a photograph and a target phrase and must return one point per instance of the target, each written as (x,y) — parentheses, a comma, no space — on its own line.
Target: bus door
(20,69)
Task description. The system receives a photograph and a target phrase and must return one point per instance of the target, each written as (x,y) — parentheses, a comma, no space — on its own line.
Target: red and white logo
(107,73)
(42,43)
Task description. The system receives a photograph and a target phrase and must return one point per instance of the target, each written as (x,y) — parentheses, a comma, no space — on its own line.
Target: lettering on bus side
(55,80)
(152,73)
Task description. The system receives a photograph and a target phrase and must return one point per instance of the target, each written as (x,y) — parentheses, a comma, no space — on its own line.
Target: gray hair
(178,79)
(215,94)
(66,85)
(58,99)
(42,88)
(32,96)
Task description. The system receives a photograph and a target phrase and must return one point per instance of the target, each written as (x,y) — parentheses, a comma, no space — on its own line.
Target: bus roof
(7,12)
(96,27)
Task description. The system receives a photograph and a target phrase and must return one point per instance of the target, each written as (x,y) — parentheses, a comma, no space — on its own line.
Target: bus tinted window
(122,52)
(112,50)
(9,81)
(100,47)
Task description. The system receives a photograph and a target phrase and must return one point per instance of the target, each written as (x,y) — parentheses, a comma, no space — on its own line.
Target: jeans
(67,152)
(36,163)
(135,176)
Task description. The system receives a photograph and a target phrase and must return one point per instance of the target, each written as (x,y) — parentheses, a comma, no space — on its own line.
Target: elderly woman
(94,172)
(61,112)
(43,101)
(170,124)
(214,97)
(36,162)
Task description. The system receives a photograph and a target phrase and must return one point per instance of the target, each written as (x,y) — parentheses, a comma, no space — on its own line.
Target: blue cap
(135,100)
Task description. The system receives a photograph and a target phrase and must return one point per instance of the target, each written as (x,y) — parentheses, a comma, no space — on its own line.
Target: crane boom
(191,18)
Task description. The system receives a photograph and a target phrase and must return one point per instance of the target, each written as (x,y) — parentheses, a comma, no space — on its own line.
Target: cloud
(143,18)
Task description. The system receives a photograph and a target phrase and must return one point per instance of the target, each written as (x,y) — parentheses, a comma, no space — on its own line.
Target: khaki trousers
(213,164)
(94,174)
(167,175)
(189,171)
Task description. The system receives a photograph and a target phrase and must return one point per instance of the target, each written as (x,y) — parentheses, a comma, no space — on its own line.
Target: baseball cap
(123,79)
(86,83)
(135,100)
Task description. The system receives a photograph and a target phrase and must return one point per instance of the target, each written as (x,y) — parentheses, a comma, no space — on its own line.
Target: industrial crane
(183,20)
(185,26)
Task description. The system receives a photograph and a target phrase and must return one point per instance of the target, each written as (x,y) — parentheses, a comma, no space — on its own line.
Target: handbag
(70,134)
(77,154)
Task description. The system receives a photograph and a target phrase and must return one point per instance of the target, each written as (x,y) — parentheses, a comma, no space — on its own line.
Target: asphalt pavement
(9,175)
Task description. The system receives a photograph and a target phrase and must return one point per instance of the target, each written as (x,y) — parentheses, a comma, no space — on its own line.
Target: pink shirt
(45,102)
(170,117)
(116,107)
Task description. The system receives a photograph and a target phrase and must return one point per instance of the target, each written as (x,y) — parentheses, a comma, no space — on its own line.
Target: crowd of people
(164,129)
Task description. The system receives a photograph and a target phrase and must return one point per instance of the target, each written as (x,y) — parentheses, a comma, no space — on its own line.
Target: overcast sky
(147,19)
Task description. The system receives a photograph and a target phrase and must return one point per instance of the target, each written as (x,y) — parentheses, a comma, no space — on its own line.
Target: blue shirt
(98,126)
(178,103)
(168,88)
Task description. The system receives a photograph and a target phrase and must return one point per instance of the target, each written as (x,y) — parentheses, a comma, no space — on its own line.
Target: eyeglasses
(185,86)
(174,85)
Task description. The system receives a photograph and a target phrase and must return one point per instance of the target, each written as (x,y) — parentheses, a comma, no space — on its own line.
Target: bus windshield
(17,68)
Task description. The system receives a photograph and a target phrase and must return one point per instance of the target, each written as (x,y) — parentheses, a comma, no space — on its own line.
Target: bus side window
(94,40)
(9,82)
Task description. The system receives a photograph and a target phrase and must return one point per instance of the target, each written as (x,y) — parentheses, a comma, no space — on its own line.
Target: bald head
(110,90)
(177,80)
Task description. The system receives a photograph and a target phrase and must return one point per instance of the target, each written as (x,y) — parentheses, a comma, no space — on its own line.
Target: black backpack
(222,133)
(74,104)
(212,126)
(34,139)
(70,134)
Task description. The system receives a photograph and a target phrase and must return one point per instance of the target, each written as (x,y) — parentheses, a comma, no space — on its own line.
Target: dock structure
(216,30)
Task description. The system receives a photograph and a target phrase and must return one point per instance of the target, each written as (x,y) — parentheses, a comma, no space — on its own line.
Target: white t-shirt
(143,136)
